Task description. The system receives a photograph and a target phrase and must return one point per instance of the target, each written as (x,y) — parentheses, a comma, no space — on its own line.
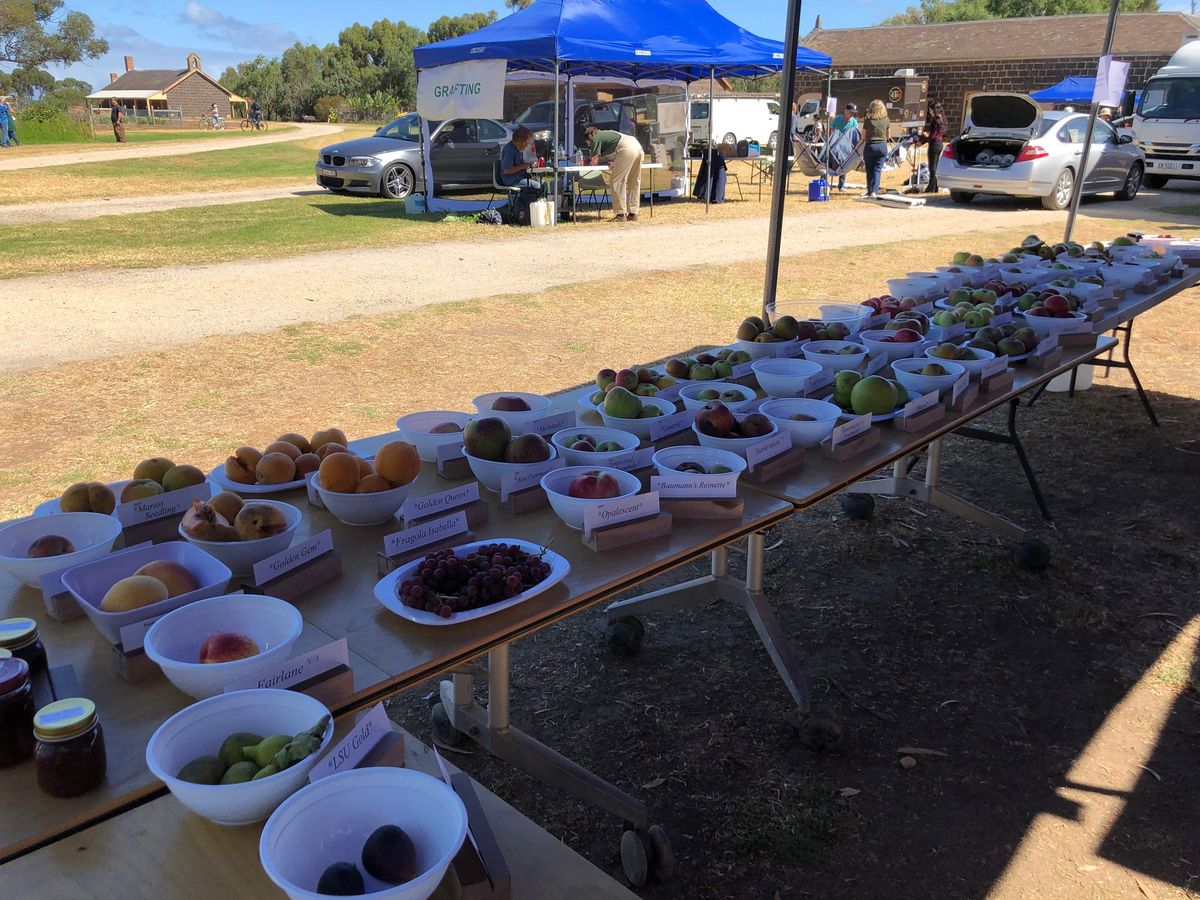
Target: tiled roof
(146,80)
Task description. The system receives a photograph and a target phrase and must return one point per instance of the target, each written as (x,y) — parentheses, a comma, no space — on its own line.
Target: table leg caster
(820,731)
(624,636)
(859,507)
(1032,556)
(443,730)
(647,852)
(662,857)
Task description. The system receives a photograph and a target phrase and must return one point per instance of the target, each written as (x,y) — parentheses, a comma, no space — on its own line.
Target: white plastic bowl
(946,281)
(571,509)
(836,362)
(894,349)
(804,434)
(627,441)
(974,366)
(414,428)
(1045,326)
(759,350)
(490,472)
(962,276)
(1123,275)
(917,288)
(748,395)
(737,445)
(174,641)
(92,535)
(330,820)
(364,509)
(89,582)
(200,729)
(640,427)
(907,373)
(1157,264)
(666,459)
(517,420)
(241,556)
(783,377)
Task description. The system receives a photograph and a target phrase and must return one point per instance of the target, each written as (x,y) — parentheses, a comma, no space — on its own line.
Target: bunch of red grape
(444,583)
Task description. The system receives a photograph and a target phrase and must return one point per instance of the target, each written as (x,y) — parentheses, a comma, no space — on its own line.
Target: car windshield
(405,128)
(539,112)
(1171,98)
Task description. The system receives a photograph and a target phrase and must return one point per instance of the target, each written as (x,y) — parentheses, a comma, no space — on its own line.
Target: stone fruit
(202,770)
(945,351)
(873,394)
(88,496)
(328,436)
(339,473)
(933,369)
(621,404)
(373,484)
(203,523)
(180,477)
(398,462)
(240,467)
(275,468)
(328,449)
(527,448)
(446,428)
(232,747)
(730,396)
(748,331)
(140,489)
(364,467)
(605,377)
(594,486)
(177,578)
(133,592)
(307,462)
(267,771)
(389,855)
(239,773)
(49,545)
(153,469)
(291,451)
(511,404)
(755,425)
(299,441)
(715,420)
(341,879)
(702,372)
(227,646)
(264,751)
(487,438)
(259,520)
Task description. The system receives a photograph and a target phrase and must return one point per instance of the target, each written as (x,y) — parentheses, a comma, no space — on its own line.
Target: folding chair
(593,185)
(499,187)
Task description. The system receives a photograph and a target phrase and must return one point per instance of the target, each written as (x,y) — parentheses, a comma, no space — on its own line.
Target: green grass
(59,130)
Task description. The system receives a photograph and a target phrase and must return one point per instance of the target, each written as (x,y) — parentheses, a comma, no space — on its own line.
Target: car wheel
(1133,183)
(397,182)
(730,138)
(961,196)
(1060,197)
(773,139)
(1155,182)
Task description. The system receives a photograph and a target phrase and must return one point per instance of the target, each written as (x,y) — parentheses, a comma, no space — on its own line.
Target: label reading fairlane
(297,669)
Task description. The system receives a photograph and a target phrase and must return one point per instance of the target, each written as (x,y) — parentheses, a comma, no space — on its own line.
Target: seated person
(514,164)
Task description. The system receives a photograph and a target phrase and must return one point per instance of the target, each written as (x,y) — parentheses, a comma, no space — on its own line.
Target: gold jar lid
(17,632)
(64,719)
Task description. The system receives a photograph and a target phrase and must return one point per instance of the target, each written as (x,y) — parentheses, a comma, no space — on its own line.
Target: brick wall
(194,95)
(952,82)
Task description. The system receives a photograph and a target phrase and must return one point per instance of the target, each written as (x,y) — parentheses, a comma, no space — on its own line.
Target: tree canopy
(452,26)
(36,32)
(929,11)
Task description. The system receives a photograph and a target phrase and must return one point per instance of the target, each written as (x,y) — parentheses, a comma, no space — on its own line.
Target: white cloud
(264,37)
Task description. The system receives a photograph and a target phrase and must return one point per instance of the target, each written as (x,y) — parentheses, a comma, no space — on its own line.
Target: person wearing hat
(844,122)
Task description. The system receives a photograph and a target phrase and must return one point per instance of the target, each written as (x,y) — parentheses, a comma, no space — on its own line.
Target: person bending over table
(514,167)
(624,156)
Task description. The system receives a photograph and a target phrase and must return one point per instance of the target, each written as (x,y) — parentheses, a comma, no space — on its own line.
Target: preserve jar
(16,712)
(69,755)
(20,637)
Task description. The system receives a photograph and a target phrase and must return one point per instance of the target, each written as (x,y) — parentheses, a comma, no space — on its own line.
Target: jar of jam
(20,637)
(16,712)
(69,755)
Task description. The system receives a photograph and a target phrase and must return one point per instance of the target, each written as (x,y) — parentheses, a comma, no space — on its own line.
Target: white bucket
(414,204)
(1062,383)
(541,213)
(679,183)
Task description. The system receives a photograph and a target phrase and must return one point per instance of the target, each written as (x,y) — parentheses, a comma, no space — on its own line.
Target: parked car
(462,154)
(612,115)
(742,118)
(1010,146)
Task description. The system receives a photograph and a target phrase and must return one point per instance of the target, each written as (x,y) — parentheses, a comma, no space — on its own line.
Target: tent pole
(712,136)
(791,41)
(1077,188)
(554,186)
(828,94)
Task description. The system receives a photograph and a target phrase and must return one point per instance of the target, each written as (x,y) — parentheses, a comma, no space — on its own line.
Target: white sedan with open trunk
(1011,147)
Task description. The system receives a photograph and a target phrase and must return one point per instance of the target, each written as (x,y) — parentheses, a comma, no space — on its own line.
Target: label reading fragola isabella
(418,536)
(362,739)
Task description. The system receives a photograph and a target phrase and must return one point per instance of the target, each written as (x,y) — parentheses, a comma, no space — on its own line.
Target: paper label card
(960,386)
(716,487)
(1075,326)
(422,507)
(133,635)
(1001,318)
(742,369)
(511,482)
(449,451)
(350,751)
(993,367)
(922,403)
(293,556)
(418,536)
(819,380)
(849,430)
(616,511)
(172,503)
(297,669)
(632,461)
(51,582)
(547,425)
(670,394)
(947,332)
(1045,345)
(768,448)
(876,364)
(796,350)
(665,426)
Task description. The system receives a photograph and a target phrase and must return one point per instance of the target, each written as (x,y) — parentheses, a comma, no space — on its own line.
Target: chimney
(129,64)
(817,26)
(112,76)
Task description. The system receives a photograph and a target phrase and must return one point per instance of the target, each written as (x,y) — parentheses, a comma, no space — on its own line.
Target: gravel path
(75,210)
(302,131)
(86,315)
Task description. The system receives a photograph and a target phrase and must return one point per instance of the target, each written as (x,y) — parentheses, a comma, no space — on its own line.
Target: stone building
(188,92)
(1022,55)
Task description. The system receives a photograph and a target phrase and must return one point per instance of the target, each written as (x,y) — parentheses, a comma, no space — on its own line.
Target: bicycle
(207,123)
(252,125)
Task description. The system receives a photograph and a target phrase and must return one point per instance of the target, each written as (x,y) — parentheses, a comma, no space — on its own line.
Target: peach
(88,496)
(177,579)
(373,484)
(50,545)
(275,468)
(308,462)
(227,504)
(154,468)
(364,467)
(259,520)
(340,473)
(240,467)
(291,451)
(227,646)
(398,462)
(326,449)
(299,441)
(132,593)
(140,489)
(328,436)
(203,523)
(179,477)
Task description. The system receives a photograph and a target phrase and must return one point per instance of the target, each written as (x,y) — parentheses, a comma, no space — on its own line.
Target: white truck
(743,118)
(1166,122)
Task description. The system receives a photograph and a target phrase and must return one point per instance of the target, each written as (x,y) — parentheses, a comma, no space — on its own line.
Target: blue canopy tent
(643,41)
(1072,89)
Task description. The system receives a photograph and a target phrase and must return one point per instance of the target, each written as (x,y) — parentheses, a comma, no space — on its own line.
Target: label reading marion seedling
(409,539)
(547,425)
(960,386)
(665,426)
(529,477)
(768,448)
(297,669)
(850,430)
(172,503)
(922,403)
(423,507)
(1046,345)
(616,511)
(694,487)
(133,636)
(295,555)
(350,751)
(51,583)
(993,367)
(632,461)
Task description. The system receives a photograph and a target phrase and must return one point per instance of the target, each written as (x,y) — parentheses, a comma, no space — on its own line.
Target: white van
(736,119)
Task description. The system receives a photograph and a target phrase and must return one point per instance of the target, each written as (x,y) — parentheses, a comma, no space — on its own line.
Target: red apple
(1039,311)
(873,303)
(227,646)
(906,336)
(594,486)
(1057,306)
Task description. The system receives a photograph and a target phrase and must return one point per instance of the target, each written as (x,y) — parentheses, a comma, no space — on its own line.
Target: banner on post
(1111,75)
(464,90)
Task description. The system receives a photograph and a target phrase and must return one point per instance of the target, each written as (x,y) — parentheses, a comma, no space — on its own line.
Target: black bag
(525,198)
(743,148)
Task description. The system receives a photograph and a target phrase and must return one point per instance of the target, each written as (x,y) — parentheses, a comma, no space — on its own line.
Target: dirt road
(235,140)
(75,210)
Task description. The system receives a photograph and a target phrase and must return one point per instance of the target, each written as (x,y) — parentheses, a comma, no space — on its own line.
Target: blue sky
(160,34)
